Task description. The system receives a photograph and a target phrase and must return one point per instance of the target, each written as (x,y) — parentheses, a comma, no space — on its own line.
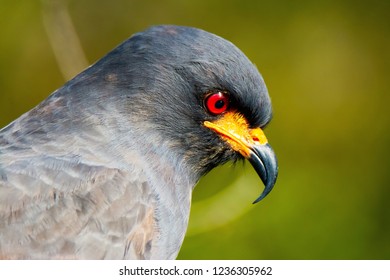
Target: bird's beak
(251,143)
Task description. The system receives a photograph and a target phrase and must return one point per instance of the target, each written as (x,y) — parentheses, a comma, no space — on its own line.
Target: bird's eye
(217,103)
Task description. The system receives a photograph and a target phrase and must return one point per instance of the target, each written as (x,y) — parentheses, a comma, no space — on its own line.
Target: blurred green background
(326,64)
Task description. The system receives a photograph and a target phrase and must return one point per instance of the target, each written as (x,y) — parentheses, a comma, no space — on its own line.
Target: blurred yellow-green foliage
(326,64)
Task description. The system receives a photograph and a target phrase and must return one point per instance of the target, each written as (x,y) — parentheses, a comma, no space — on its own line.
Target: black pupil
(219,104)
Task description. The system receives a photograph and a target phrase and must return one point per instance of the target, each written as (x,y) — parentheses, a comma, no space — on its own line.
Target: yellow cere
(233,128)
(258,136)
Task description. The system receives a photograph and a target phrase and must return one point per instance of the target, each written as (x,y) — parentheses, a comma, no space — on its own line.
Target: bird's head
(199,92)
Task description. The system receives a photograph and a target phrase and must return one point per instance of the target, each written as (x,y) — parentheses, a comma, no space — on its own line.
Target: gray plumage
(104,167)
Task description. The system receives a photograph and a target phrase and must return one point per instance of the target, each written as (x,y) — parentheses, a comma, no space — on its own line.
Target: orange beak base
(250,143)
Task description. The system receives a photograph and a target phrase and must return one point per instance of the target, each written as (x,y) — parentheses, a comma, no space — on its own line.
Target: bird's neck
(172,185)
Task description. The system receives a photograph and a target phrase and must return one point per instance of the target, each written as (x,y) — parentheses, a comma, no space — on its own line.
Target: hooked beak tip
(264,161)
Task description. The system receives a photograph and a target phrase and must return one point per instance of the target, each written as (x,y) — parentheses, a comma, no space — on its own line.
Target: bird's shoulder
(63,206)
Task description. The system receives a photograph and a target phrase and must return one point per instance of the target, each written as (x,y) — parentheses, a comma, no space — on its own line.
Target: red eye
(217,103)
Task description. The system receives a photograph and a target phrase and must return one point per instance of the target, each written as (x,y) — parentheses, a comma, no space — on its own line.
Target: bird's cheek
(233,128)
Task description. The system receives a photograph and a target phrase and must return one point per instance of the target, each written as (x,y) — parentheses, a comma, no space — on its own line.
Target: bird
(105,166)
